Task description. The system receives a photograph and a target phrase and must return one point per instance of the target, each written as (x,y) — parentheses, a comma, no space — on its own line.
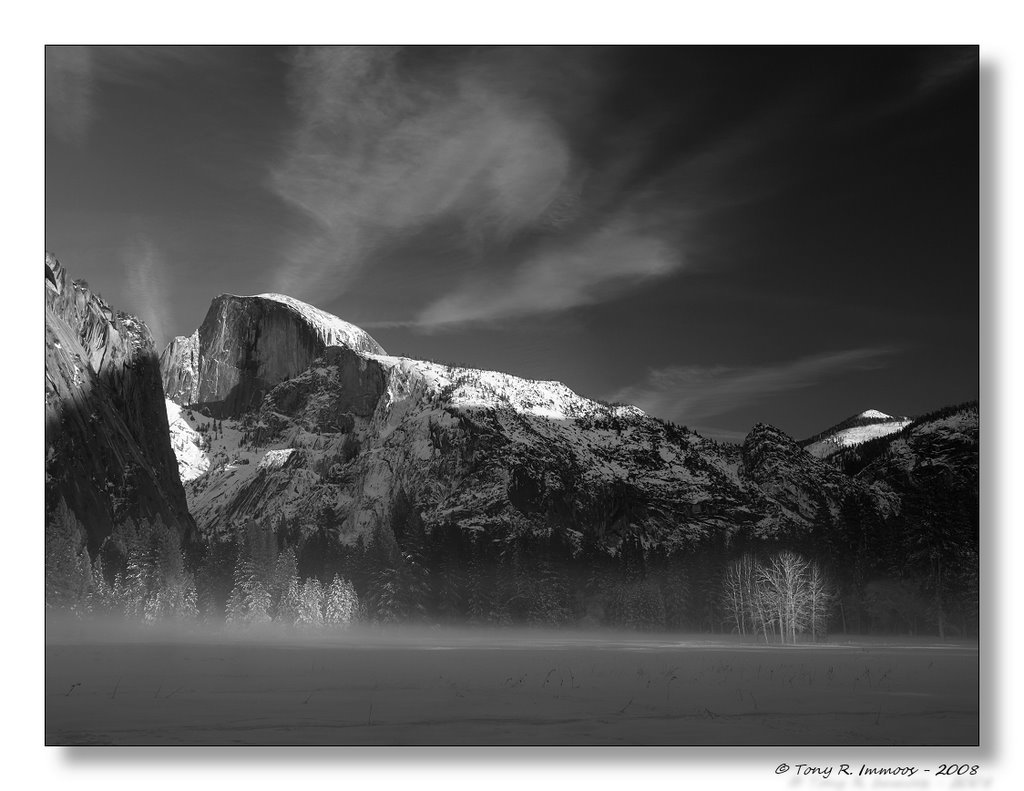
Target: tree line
(855,572)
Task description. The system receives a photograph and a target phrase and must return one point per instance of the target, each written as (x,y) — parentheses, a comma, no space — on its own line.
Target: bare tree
(786,594)
(822,598)
(738,594)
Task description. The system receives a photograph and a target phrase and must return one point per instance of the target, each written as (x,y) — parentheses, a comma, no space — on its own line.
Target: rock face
(179,368)
(939,450)
(107,449)
(799,488)
(480,450)
(247,345)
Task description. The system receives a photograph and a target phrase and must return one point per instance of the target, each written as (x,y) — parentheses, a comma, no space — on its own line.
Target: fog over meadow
(112,683)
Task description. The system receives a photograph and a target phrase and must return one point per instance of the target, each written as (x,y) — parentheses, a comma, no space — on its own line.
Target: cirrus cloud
(605,262)
(382,150)
(690,394)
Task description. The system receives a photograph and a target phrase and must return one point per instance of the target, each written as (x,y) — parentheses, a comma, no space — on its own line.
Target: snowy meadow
(402,686)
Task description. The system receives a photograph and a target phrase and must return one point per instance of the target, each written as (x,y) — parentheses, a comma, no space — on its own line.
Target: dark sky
(719,235)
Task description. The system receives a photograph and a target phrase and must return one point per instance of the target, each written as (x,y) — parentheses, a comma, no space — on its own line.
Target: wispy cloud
(69,88)
(691,394)
(625,237)
(383,150)
(942,67)
(932,71)
(146,286)
(488,145)
(548,193)
(593,268)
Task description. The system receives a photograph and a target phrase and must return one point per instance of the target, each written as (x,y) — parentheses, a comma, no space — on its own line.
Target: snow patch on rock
(478,389)
(332,330)
(275,459)
(856,435)
(187,444)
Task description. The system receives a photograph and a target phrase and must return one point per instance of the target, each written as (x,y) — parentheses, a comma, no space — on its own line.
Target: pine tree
(214,581)
(234,612)
(136,582)
(387,601)
(257,600)
(413,581)
(413,574)
(675,592)
(103,599)
(283,587)
(648,606)
(260,548)
(381,559)
(189,602)
(341,603)
(359,567)
(513,591)
(311,604)
(596,580)
(172,589)
(479,590)
(450,583)
(288,604)
(939,545)
(68,571)
(549,600)
(249,603)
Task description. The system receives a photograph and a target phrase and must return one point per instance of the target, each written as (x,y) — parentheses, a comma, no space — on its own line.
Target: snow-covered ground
(439,687)
(210,461)
(201,450)
(187,443)
(857,435)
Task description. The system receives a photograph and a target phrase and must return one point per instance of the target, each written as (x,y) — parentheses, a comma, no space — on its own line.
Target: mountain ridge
(482,449)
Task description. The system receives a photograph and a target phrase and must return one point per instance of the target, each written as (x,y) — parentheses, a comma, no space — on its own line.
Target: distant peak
(766,431)
(863,427)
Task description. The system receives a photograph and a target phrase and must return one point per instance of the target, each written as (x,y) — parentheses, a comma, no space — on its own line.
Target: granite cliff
(246,345)
(107,450)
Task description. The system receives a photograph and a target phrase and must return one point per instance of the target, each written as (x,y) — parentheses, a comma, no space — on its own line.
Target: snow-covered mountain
(275,419)
(940,448)
(107,454)
(862,427)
